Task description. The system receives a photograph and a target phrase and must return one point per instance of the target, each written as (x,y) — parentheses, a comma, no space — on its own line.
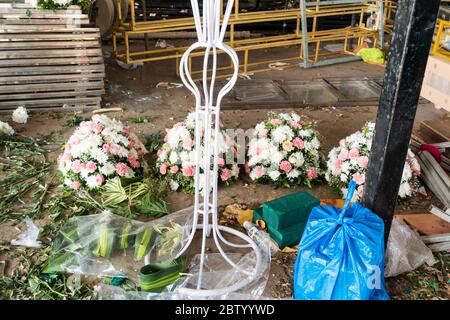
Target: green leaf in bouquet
(113,193)
(143,243)
(155,277)
(152,205)
(105,242)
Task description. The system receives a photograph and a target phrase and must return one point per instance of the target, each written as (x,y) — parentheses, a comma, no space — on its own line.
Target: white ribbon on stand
(210,33)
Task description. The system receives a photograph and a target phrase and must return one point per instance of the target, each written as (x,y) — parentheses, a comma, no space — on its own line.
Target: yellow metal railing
(442,37)
(300,37)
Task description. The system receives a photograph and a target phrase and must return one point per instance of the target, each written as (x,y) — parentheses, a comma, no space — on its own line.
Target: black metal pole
(408,55)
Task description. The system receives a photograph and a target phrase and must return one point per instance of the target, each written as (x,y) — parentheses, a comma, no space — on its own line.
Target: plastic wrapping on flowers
(176,158)
(284,150)
(99,150)
(350,159)
(109,245)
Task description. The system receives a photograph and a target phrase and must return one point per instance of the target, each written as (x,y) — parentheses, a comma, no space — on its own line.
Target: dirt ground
(135,91)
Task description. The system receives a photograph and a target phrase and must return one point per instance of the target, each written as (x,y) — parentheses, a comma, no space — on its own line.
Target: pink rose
(91,166)
(132,143)
(174,169)
(363,161)
(343,155)
(233,151)
(221,162)
(285,166)
(163,168)
(338,163)
(276,122)
(74,140)
(96,127)
(298,143)
(134,163)
(259,171)
(159,152)
(76,185)
(226,174)
(415,167)
(246,168)
(126,130)
(106,148)
(263,133)
(342,142)
(296,125)
(122,169)
(359,178)
(188,143)
(77,166)
(311,173)
(353,153)
(188,171)
(114,148)
(99,179)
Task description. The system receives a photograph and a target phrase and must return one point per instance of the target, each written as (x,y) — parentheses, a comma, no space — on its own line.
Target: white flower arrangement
(98,150)
(20,115)
(350,159)
(284,150)
(176,158)
(6,129)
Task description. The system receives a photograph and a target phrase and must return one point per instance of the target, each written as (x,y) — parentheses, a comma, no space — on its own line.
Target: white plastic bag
(405,250)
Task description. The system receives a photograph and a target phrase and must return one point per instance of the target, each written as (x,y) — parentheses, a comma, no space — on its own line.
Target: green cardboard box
(287,237)
(289,210)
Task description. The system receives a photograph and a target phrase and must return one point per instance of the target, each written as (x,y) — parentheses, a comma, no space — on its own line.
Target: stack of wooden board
(48,60)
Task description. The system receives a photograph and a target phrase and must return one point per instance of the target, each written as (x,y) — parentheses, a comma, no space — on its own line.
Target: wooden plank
(43,87)
(425,223)
(57,21)
(51,94)
(54,61)
(12,71)
(50,53)
(50,102)
(71,108)
(49,44)
(443,237)
(46,78)
(439,213)
(60,30)
(50,36)
(437,129)
(37,28)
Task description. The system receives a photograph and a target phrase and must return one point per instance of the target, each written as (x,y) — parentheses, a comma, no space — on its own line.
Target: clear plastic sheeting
(109,245)
(29,237)
(217,274)
(405,250)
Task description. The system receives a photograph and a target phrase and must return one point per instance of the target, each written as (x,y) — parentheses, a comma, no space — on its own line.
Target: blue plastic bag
(341,254)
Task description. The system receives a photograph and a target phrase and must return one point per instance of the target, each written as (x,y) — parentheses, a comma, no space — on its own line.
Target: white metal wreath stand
(210,35)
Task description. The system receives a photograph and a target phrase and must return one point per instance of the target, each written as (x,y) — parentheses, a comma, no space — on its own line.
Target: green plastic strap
(155,277)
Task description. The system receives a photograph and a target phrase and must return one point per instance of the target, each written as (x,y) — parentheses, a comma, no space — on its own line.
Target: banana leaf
(105,242)
(155,277)
(143,244)
(125,239)
(59,261)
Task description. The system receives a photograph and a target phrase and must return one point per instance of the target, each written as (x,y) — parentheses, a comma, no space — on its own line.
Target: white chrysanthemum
(306,133)
(235,170)
(5,128)
(173,158)
(174,185)
(295,117)
(282,133)
(293,174)
(20,115)
(91,181)
(405,190)
(274,174)
(190,120)
(99,155)
(107,169)
(285,116)
(68,182)
(275,156)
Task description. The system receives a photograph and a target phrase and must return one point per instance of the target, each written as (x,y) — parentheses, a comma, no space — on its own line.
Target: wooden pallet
(49,60)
